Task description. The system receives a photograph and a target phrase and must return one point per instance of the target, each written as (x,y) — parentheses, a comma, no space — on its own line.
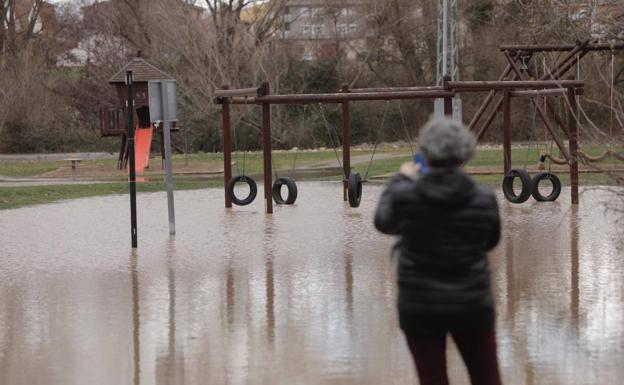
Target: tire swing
(521,173)
(241,178)
(354,182)
(354,189)
(253,190)
(277,191)
(508,186)
(556,187)
(289,182)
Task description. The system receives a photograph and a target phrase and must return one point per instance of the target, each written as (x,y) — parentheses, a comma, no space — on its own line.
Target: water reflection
(269,244)
(136,318)
(305,296)
(574,269)
(348,268)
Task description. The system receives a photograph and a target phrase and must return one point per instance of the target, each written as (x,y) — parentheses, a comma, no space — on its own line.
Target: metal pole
(445,37)
(130,113)
(227,148)
(448,102)
(168,167)
(573,141)
(346,144)
(266,151)
(185,137)
(448,107)
(507,131)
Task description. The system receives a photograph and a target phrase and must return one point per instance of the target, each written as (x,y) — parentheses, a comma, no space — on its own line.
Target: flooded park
(304,296)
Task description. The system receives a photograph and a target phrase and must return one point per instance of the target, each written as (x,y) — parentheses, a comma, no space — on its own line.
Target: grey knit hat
(445,142)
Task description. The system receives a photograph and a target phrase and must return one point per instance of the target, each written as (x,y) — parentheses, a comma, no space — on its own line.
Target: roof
(142,71)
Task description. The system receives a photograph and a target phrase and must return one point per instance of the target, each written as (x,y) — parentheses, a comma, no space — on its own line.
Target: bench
(73,161)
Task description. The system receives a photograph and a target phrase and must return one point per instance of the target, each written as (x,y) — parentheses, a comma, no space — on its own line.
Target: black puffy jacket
(446,224)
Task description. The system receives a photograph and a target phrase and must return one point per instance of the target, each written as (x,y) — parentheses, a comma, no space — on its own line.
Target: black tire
(556,183)
(354,189)
(253,190)
(277,191)
(508,189)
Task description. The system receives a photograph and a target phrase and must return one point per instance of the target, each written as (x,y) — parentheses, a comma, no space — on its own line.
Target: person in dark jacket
(446,223)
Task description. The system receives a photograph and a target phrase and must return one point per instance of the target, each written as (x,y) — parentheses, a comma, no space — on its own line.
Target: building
(317,27)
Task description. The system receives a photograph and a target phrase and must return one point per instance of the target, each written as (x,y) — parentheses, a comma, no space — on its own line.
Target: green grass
(13,197)
(28,168)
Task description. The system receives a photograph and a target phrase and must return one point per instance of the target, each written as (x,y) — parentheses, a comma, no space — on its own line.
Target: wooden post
(227,148)
(507,131)
(573,135)
(266,150)
(346,144)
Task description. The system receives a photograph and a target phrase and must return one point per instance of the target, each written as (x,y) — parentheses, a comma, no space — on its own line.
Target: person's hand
(410,169)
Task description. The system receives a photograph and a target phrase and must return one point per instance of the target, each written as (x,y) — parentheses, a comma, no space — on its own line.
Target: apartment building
(316,27)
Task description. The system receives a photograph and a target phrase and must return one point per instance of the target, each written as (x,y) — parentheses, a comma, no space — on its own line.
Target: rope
(601,157)
(407,135)
(236,149)
(292,171)
(238,170)
(554,160)
(586,157)
(331,139)
(383,124)
(526,159)
(244,158)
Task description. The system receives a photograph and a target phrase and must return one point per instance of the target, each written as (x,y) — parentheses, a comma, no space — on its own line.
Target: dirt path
(58,156)
(358,159)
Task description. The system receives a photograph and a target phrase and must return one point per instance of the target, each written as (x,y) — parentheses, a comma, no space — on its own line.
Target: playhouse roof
(142,71)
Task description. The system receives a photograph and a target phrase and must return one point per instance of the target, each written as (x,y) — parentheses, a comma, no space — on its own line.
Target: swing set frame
(262,97)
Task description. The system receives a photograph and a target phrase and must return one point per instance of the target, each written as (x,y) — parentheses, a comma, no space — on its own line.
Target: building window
(353,28)
(316,12)
(307,56)
(286,10)
(305,29)
(286,26)
(345,12)
(341,29)
(317,29)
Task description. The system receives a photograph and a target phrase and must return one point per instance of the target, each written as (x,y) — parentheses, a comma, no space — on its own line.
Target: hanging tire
(556,183)
(277,191)
(354,189)
(253,190)
(508,189)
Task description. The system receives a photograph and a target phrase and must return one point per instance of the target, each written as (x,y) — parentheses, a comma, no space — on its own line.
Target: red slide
(142,145)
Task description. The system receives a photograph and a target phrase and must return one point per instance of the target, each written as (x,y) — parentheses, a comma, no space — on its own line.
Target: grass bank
(387,161)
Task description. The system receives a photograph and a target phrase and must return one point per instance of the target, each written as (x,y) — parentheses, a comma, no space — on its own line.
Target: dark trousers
(478,350)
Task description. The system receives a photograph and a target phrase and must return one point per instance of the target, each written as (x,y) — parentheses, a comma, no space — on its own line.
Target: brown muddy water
(303,297)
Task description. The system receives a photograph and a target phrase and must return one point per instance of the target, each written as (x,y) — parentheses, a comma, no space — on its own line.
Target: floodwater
(305,296)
